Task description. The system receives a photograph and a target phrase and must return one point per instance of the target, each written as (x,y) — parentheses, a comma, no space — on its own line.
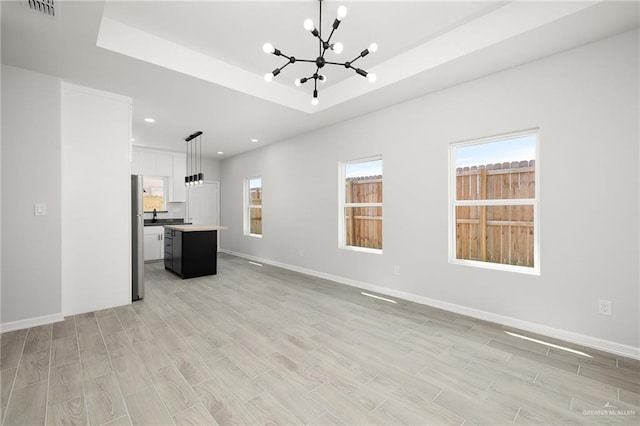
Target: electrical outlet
(40,209)
(604,307)
(396,270)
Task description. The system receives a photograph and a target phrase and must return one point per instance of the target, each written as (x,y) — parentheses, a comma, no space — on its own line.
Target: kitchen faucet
(155,216)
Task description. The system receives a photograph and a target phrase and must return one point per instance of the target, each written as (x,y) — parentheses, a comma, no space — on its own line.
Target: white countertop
(194,228)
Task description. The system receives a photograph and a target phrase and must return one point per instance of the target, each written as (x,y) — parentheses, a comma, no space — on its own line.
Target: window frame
(247,207)
(535,202)
(342,204)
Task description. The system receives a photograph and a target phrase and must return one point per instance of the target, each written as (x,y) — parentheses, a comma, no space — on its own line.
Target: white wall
(211,169)
(96,203)
(31,276)
(585,102)
(0,184)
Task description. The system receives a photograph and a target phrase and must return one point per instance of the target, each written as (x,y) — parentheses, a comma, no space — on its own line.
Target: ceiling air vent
(46,7)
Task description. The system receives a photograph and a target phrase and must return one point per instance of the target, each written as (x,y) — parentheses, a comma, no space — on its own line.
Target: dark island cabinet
(190,254)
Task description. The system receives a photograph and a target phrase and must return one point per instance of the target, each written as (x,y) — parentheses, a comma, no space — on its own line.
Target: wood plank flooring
(261,345)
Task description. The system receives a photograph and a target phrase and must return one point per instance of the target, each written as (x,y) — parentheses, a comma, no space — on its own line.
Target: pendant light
(194,176)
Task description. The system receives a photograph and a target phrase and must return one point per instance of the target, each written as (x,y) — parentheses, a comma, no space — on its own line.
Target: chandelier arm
(283,67)
(282,54)
(330,35)
(342,64)
(306,60)
(357,57)
(360,71)
(306,79)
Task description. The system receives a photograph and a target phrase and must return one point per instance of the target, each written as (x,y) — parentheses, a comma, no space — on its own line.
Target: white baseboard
(556,333)
(30,322)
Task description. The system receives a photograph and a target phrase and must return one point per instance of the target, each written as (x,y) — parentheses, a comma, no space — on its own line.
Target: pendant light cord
(320,30)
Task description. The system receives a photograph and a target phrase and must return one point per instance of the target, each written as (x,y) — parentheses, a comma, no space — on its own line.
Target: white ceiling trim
(130,41)
(498,25)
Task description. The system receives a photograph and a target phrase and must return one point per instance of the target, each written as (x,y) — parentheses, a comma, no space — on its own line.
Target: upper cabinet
(152,163)
(164,164)
(149,162)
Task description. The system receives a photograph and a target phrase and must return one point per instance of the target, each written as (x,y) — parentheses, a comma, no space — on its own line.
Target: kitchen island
(191,250)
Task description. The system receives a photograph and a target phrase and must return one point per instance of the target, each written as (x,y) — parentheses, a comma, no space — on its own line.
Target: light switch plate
(40,209)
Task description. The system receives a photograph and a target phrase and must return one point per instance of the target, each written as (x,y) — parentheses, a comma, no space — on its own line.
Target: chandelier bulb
(308,24)
(268,48)
(322,78)
(372,77)
(298,82)
(373,47)
(338,47)
(314,101)
(268,77)
(342,12)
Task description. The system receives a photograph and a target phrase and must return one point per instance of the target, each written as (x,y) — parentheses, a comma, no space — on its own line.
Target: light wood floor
(258,345)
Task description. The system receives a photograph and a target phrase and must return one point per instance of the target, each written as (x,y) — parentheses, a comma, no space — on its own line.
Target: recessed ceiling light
(220,152)
(254,140)
(133,139)
(149,120)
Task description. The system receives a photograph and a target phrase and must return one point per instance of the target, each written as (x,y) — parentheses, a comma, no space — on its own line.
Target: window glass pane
(363,182)
(363,227)
(255,221)
(255,192)
(496,170)
(507,232)
(153,193)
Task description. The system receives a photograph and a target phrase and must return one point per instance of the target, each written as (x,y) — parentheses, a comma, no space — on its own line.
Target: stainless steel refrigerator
(137,239)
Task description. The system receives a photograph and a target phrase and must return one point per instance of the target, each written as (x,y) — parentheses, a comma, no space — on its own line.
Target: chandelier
(320,61)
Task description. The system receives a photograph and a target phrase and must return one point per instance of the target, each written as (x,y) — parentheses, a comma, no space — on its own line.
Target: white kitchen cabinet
(153,243)
(164,164)
(177,190)
(148,162)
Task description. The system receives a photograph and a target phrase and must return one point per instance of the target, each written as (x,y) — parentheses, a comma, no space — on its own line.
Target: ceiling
(200,65)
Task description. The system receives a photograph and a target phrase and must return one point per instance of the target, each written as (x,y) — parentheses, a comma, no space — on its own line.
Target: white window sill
(361,249)
(496,266)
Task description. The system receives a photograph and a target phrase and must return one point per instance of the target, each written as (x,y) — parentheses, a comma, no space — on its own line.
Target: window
(361,205)
(253,207)
(154,196)
(494,203)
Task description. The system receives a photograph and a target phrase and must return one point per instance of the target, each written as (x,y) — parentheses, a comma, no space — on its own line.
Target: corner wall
(585,102)
(31,173)
(96,199)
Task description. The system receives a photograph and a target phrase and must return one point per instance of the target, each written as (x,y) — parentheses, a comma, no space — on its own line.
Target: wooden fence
(363,225)
(255,195)
(151,202)
(499,234)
